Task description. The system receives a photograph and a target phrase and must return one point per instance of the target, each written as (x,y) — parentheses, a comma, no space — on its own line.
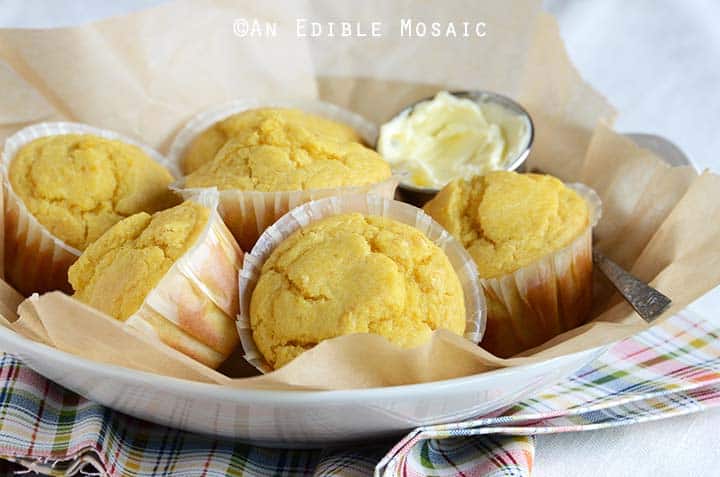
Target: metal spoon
(646,300)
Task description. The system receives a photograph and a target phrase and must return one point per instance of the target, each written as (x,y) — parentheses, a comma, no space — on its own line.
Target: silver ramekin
(419,195)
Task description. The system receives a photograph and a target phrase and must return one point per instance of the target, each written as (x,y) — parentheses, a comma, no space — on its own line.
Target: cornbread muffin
(352,273)
(64,186)
(78,186)
(508,220)
(265,171)
(117,272)
(209,142)
(134,258)
(282,155)
(529,235)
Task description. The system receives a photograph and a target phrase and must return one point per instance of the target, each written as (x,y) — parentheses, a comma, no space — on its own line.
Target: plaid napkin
(669,370)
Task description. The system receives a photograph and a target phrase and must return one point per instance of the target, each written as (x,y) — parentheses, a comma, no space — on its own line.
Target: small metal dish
(419,195)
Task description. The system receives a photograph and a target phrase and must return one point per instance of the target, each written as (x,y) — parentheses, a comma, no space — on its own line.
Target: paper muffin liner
(249,213)
(545,298)
(314,211)
(193,307)
(36,260)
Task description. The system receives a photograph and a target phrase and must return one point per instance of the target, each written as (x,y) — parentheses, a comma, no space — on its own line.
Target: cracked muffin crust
(210,141)
(508,220)
(531,238)
(117,271)
(283,155)
(352,273)
(78,186)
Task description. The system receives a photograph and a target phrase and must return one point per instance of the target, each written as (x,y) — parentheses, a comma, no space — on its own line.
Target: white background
(658,62)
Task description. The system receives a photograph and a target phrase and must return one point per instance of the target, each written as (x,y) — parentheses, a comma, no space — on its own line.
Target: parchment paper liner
(193,308)
(248,213)
(314,211)
(658,221)
(36,260)
(552,295)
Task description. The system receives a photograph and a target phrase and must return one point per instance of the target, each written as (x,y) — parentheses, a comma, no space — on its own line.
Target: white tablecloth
(658,62)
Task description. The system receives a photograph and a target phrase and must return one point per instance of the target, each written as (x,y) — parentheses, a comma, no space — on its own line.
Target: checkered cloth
(669,370)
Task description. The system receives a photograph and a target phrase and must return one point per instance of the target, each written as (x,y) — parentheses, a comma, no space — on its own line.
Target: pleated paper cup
(314,211)
(194,306)
(248,213)
(36,260)
(546,298)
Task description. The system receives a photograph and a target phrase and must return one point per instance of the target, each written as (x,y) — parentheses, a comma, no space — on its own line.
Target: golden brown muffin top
(116,272)
(78,186)
(352,273)
(210,141)
(280,155)
(508,220)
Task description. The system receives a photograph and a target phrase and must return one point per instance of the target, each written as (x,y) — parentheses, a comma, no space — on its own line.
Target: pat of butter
(449,137)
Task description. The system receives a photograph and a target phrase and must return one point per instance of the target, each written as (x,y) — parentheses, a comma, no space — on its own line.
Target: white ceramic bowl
(290,418)
(294,418)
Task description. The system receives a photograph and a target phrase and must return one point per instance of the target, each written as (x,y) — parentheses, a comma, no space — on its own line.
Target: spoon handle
(647,301)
